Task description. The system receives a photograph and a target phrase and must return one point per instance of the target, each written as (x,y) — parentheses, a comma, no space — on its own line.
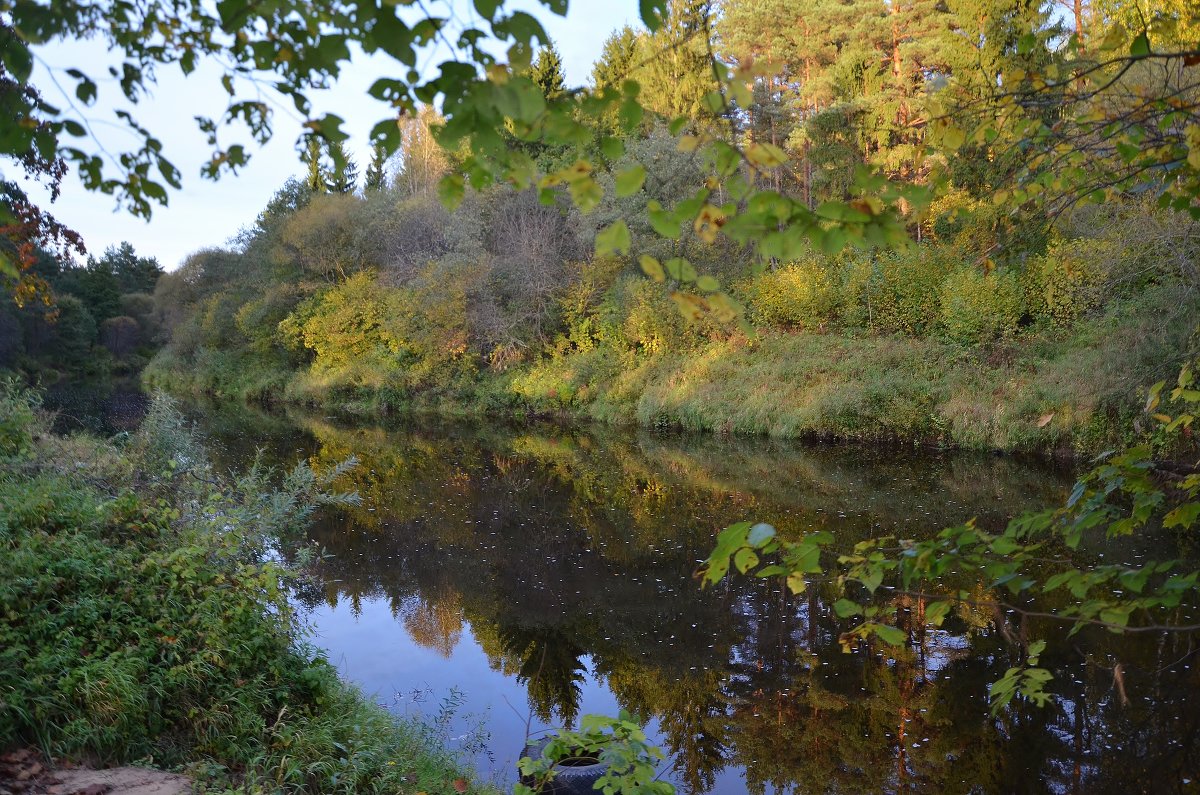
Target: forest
(987,320)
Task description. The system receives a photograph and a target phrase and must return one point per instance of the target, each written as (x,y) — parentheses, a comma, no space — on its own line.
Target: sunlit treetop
(1084,121)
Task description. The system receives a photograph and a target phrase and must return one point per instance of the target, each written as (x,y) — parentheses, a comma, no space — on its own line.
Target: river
(498,580)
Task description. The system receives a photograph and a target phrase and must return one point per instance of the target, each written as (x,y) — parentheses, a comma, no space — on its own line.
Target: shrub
(1072,279)
(979,307)
(18,419)
(143,619)
(897,292)
(799,295)
(646,320)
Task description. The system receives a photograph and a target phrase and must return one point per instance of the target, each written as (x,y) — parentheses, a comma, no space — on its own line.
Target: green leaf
(766,155)
(889,635)
(663,221)
(1183,516)
(1140,46)
(613,148)
(451,190)
(745,559)
(630,180)
(586,193)
(614,240)
(936,612)
(953,138)
(487,8)
(7,266)
(653,13)
(680,270)
(1114,39)
(1118,616)
(17,57)
(871,579)
(844,608)
(86,91)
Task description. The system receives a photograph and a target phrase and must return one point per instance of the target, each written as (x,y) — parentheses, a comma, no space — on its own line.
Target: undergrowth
(143,619)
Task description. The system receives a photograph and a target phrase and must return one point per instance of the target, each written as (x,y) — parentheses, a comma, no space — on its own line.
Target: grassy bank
(981,336)
(142,620)
(1059,390)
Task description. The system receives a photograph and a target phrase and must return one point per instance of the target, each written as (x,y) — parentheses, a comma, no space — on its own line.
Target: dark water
(500,580)
(104,407)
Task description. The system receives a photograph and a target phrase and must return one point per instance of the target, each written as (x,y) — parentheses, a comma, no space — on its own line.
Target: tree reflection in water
(570,555)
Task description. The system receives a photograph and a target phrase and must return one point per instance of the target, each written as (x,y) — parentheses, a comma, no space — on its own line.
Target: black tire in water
(573,776)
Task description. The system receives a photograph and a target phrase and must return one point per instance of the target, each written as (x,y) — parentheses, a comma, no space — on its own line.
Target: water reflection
(566,560)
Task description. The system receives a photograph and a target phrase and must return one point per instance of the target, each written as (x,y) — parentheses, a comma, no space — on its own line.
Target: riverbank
(1051,391)
(145,620)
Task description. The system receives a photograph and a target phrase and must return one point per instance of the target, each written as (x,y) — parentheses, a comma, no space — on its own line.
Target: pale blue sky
(205,213)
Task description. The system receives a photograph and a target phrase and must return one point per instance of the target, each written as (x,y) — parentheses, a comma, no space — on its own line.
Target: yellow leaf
(766,155)
(1045,420)
(708,222)
(652,268)
(953,137)
(690,305)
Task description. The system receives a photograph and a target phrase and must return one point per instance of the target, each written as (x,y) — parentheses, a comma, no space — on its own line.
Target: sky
(206,213)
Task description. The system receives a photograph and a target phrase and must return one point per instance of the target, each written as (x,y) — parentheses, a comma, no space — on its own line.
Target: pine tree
(375,178)
(547,72)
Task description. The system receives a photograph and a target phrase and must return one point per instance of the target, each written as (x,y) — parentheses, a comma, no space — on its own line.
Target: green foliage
(897,292)
(618,743)
(800,295)
(1072,279)
(17,419)
(1123,494)
(141,617)
(345,326)
(981,307)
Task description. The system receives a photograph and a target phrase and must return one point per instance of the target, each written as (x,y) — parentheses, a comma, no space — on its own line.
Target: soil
(25,772)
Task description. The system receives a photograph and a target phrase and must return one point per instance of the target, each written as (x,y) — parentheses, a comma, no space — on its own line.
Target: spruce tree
(344,178)
(617,59)
(679,73)
(547,72)
(375,178)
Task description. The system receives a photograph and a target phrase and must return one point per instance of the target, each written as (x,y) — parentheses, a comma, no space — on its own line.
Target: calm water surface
(501,580)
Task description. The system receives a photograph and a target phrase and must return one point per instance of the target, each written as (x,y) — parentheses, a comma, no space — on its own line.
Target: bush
(799,295)
(649,322)
(1072,279)
(18,419)
(897,292)
(141,618)
(979,307)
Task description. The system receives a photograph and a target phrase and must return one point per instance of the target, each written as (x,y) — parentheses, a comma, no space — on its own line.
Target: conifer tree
(375,178)
(679,73)
(618,58)
(547,72)
(344,179)
(316,178)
